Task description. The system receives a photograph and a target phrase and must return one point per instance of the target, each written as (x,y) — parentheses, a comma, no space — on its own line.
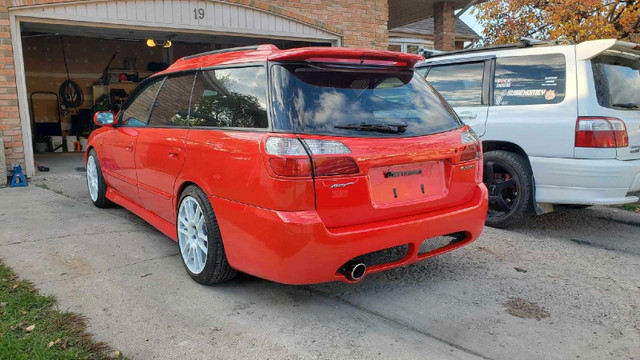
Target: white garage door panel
(180,14)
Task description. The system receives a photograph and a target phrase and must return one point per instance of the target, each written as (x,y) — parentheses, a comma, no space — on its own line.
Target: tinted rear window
(232,97)
(529,80)
(617,80)
(320,99)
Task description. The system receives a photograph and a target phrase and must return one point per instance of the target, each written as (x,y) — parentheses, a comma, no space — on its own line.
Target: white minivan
(559,123)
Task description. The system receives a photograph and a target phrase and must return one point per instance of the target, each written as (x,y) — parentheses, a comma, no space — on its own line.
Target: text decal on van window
(529,80)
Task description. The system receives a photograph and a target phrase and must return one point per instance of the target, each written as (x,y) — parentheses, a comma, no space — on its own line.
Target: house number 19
(198,13)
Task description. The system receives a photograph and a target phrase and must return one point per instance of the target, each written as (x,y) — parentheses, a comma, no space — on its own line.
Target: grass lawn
(31,326)
(631,207)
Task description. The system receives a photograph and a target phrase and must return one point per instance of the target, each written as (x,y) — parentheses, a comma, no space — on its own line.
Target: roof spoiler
(590,49)
(348,55)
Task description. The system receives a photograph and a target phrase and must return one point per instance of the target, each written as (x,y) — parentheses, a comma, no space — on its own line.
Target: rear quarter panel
(229,164)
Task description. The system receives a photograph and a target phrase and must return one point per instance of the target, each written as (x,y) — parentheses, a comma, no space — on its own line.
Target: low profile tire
(199,239)
(95,181)
(508,178)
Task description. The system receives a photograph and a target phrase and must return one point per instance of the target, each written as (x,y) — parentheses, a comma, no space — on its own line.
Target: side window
(137,113)
(529,80)
(232,97)
(459,84)
(171,107)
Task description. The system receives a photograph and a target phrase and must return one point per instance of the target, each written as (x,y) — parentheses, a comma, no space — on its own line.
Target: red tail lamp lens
(291,167)
(601,132)
(335,166)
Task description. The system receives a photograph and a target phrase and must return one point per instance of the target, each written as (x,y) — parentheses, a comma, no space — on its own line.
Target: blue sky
(470,19)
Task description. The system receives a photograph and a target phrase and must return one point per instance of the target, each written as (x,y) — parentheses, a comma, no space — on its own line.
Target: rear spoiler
(347,55)
(590,49)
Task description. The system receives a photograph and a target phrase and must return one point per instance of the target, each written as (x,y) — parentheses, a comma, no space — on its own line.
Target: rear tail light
(293,157)
(472,148)
(601,132)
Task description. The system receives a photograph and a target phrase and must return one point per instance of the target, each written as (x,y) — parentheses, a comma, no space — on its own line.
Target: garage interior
(71,71)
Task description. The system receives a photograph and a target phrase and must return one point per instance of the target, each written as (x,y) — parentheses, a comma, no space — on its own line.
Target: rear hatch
(616,74)
(382,143)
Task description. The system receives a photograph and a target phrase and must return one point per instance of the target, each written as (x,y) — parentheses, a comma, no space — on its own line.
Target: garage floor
(567,286)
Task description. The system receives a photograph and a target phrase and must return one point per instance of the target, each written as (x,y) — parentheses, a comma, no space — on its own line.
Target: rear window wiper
(390,128)
(627,106)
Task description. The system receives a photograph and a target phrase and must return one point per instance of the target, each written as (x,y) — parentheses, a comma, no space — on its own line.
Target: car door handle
(174,153)
(467,115)
(129,147)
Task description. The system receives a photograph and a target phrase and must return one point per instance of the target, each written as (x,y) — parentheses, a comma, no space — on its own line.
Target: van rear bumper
(296,247)
(585,181)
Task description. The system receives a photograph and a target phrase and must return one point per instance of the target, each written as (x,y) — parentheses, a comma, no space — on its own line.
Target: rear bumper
(296,247)
(585,181)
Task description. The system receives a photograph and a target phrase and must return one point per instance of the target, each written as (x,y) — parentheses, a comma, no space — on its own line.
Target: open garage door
(106,48)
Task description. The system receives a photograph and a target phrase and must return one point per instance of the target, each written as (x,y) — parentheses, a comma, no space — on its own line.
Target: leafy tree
(505,21)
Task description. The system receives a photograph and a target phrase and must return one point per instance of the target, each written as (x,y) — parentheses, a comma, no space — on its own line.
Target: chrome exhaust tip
(354,271)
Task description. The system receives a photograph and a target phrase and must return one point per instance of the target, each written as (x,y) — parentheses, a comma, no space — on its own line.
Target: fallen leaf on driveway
(114,354)
(30,328)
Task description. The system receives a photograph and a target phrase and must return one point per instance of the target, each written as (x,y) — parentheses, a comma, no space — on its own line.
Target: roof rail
(239,48)
(523,42)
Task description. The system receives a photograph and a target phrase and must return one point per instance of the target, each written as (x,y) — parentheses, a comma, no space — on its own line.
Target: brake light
(293,157)
(472,148)
(601,132)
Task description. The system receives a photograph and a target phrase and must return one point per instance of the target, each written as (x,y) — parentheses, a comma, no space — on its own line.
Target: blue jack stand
(18,178)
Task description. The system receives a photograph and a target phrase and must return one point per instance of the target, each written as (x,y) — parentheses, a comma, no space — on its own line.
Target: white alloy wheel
(192,235)
(92,178)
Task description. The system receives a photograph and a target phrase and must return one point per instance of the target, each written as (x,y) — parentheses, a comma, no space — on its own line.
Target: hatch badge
(392,174)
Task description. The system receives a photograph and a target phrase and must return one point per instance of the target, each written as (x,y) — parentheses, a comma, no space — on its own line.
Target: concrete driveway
(567,286)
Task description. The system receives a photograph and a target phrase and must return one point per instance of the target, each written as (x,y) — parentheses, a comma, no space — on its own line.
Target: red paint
(299,229)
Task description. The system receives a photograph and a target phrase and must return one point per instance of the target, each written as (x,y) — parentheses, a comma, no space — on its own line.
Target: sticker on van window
(550,95)
(503,83)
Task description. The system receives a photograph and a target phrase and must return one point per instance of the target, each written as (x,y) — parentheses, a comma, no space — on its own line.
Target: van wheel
(199,239)
(95,182)
(508,178)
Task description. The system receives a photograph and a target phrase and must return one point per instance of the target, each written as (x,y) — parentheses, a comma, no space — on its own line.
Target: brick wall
(361,23)
(9,115)
(444,26)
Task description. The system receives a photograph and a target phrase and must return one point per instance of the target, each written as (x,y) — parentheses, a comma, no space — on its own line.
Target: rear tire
(509,180)
(197,241)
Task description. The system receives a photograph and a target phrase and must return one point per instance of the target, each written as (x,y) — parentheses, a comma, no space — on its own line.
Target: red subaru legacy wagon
(298,166)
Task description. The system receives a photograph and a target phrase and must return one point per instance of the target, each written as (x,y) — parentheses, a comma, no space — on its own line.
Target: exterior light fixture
(163,43)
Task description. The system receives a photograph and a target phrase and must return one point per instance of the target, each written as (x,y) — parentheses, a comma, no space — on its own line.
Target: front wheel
(95,181)
(508,178)
(199,239)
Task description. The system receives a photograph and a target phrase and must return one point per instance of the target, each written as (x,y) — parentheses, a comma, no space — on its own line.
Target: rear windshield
(331,100)
(617,80)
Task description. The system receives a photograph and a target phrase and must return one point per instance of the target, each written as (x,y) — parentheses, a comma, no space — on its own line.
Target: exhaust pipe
(354,271)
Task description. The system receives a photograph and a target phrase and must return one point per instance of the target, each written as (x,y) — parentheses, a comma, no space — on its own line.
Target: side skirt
(164,226)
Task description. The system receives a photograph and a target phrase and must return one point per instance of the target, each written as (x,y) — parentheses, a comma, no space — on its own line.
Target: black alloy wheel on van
(508,178)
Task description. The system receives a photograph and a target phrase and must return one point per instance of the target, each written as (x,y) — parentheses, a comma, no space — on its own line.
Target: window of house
(529,80)
(459,84)
(171,107)
(232,97)
(137,112)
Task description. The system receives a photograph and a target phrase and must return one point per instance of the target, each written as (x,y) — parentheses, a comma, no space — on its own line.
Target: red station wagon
(298,166)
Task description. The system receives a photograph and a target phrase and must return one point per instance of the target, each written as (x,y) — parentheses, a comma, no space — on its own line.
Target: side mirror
(103,118)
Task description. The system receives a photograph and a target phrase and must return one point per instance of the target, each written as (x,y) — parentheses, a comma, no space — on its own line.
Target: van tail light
(601,132)
(302,158)
(471,146)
